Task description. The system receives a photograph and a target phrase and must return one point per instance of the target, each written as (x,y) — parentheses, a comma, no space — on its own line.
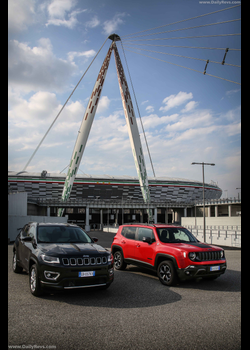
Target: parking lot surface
(136,312)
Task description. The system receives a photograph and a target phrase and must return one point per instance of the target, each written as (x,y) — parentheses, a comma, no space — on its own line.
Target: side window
(32,231)
(129,232)
(145,232)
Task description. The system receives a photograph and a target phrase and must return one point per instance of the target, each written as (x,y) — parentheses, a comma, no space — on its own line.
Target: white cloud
(153,121)
(199,118)
(150,109)
(94,22)
(60,15)
(28,122)
(175,100)
(112,25)
(58,8)
(189,106)
(32,69)
(86,54)
(233,129)
(20,14)
(103,104)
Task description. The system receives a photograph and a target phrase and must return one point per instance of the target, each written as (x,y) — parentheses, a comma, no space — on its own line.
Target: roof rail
(139,223)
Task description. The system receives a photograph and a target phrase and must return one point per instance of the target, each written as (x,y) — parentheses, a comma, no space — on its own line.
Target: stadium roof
(105,177)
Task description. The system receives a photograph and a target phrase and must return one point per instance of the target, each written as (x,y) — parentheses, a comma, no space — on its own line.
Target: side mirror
(147,240)
(27,239)
(95,239)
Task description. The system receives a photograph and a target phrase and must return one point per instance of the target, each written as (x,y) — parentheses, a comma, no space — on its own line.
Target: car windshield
(175,235)
(62,234)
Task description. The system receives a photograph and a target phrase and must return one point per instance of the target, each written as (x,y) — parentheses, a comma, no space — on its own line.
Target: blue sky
(187,116)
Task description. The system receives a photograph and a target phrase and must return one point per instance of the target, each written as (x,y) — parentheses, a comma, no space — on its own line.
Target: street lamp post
(203,181)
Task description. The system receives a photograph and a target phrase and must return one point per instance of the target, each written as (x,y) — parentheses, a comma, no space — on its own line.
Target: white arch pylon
(87,121)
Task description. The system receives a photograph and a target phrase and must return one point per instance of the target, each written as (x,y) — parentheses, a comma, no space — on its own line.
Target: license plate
(86,274)
(214,268)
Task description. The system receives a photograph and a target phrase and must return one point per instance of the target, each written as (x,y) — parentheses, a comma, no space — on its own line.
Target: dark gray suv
(61,256)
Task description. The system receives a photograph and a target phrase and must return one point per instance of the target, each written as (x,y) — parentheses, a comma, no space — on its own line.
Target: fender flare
(166,257)
(116,247)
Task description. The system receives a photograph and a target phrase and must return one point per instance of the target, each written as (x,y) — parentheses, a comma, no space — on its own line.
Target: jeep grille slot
(85,261)
(210,255)
(65,261)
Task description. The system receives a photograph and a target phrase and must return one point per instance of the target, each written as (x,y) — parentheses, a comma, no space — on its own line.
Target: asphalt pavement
(136,312)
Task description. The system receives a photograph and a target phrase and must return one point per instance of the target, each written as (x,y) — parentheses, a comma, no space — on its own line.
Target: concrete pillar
(209,211)
(177,216)
(155,215)
(216,211)
(229,210)
(48,211)
(185,212)
(101,219)
(116,216)
(87,227)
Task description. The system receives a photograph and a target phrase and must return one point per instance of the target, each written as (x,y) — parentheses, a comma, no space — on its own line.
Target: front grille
(85,261)
(210,255)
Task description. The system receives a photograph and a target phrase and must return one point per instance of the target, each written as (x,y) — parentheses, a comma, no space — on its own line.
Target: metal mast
(83,133)
(87,121)
(133,131)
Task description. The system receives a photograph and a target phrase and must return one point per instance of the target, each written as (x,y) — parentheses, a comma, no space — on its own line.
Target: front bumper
(196,271)
(69,277)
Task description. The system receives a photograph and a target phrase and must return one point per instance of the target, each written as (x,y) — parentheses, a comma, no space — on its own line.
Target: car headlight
(192,256)
(50,259)
(222,253)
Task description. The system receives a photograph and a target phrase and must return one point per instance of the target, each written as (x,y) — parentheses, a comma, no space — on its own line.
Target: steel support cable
(62,108)
(184,37)
(189,47)
(194,27)
(138,111)
(192,58)
(184,20)
(178,65)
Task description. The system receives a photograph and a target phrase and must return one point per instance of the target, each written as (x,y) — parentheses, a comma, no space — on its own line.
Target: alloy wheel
(33,280)
(117,260)
(165,273)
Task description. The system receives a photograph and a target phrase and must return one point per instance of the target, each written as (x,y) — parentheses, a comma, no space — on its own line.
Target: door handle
(138,245)
(123,242)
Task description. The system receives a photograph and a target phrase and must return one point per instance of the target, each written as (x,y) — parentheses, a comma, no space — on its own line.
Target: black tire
(16,268)
(34,283)
(166,273)
(119,261)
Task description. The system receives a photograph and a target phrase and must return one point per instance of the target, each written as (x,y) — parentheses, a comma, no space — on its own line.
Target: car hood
(195,246)
(72,249)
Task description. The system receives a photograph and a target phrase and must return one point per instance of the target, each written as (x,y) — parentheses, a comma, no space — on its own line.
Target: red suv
(171,250)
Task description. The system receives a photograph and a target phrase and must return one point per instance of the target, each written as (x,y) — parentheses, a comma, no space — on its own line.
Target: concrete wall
(18,221)
(17,203)
(225,231)
(229,238)
(212,221)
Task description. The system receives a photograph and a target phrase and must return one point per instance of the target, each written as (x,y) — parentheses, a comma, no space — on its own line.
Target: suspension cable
(188,47)
(138,111)
(184,20)
(194,27)
(192,58)
(184,37)
(178,65)
(62,108)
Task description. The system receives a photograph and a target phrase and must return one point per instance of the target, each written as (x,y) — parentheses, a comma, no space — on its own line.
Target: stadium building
(109,199)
